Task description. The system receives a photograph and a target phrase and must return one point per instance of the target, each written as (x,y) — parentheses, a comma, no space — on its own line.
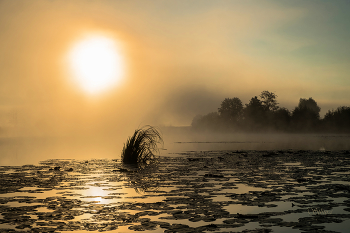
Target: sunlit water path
(220,191)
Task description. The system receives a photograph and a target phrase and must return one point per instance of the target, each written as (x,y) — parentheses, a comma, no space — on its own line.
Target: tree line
(263,113)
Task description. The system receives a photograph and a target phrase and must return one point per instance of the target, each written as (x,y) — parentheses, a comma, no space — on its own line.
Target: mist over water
(261,88)
(31,150)
(79,183)
(197,141)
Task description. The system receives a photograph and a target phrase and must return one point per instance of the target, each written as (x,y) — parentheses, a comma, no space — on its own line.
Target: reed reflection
(142,177)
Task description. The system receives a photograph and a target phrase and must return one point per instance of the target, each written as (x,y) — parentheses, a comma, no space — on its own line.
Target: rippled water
(198,191)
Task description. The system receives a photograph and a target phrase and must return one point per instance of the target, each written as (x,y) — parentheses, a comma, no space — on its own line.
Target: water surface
(198,191)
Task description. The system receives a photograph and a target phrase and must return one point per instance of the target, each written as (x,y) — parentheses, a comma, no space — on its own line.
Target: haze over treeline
(263,113)
(181,58)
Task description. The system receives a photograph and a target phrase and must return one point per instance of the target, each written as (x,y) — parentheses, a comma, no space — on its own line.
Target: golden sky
(181,58)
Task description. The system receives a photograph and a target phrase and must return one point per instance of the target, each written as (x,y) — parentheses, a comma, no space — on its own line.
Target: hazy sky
(182,58)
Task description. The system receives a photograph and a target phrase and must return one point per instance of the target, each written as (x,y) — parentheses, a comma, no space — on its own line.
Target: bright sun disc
(96,64)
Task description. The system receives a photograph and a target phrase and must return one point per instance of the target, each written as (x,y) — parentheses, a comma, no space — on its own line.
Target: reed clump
(141,147)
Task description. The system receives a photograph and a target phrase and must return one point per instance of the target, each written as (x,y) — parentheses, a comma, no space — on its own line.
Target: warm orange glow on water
(96,63)
(192,190)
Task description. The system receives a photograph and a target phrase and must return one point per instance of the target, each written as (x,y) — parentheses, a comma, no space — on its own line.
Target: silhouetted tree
(231,110)
(254,114)
(268,100)
(338,120)
(310,104)
(281,119)
(306,116)
(209,121)
(263,113)
(196,121)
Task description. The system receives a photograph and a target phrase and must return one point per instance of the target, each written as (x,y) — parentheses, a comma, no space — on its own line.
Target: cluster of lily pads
(226,191)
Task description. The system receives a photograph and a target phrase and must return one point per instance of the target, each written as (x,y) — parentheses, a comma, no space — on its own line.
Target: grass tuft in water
(141,147)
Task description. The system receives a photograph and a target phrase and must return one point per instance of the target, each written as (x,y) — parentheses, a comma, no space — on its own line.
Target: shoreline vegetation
(141,147)
(263,114)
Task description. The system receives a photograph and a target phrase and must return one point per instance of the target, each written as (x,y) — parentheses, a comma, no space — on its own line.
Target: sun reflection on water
(239,187)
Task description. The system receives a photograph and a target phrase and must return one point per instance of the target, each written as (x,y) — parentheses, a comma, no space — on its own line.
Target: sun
(96,64)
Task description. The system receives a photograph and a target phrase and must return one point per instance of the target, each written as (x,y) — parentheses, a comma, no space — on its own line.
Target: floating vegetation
(195,192)
(142,146)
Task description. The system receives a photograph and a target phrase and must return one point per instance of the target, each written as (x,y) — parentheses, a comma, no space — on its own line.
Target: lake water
(32,150)
(202,183)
